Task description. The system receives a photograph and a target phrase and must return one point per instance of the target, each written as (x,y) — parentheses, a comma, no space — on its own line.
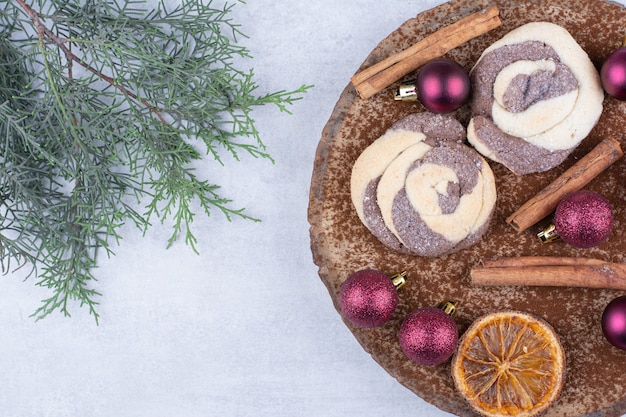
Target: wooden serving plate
(596,371)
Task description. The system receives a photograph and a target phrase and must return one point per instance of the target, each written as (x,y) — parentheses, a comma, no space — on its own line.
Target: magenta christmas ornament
(614,322)
(442,86)
(428,336)
(613,73)
(368,298)
(583,219)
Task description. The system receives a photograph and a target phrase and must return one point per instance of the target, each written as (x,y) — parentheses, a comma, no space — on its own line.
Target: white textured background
(246,328)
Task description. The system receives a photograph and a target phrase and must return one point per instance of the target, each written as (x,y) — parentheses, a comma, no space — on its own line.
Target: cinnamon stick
(525,261)
(384,73)
(577,176)
(551,272)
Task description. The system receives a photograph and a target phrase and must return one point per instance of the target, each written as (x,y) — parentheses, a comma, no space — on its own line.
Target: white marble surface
(246,328)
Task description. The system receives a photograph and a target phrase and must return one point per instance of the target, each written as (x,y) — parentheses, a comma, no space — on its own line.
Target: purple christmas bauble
(584,219)
(442,86)
(614,322)
(613,74)
(368,298)
(428,336)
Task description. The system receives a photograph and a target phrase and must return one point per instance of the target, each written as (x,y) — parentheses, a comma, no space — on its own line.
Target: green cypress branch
(104,106)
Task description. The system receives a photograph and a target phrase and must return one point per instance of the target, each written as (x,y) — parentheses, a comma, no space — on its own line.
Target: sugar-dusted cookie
(420,190)
(535,96)
(415,129)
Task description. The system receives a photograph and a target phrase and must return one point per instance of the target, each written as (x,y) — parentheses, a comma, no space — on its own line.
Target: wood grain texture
(341,244)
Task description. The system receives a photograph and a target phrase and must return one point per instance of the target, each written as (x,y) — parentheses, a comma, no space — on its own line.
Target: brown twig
(45,33)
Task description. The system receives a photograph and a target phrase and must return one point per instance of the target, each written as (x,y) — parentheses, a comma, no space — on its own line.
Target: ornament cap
(398,280)
(549,234)
(448,307)
(406,92)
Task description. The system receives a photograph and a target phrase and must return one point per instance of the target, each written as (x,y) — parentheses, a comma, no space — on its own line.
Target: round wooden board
(595,385)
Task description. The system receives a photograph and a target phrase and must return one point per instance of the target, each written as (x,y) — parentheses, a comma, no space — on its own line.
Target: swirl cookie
(536,96)
(420,190)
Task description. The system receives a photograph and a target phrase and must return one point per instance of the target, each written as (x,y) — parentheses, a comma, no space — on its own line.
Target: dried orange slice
(509,363)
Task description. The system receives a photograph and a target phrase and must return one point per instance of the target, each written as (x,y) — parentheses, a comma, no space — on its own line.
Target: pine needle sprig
(106,107)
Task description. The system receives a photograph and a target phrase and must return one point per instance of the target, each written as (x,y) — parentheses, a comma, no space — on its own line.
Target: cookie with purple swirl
(420,190)
(535,96)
